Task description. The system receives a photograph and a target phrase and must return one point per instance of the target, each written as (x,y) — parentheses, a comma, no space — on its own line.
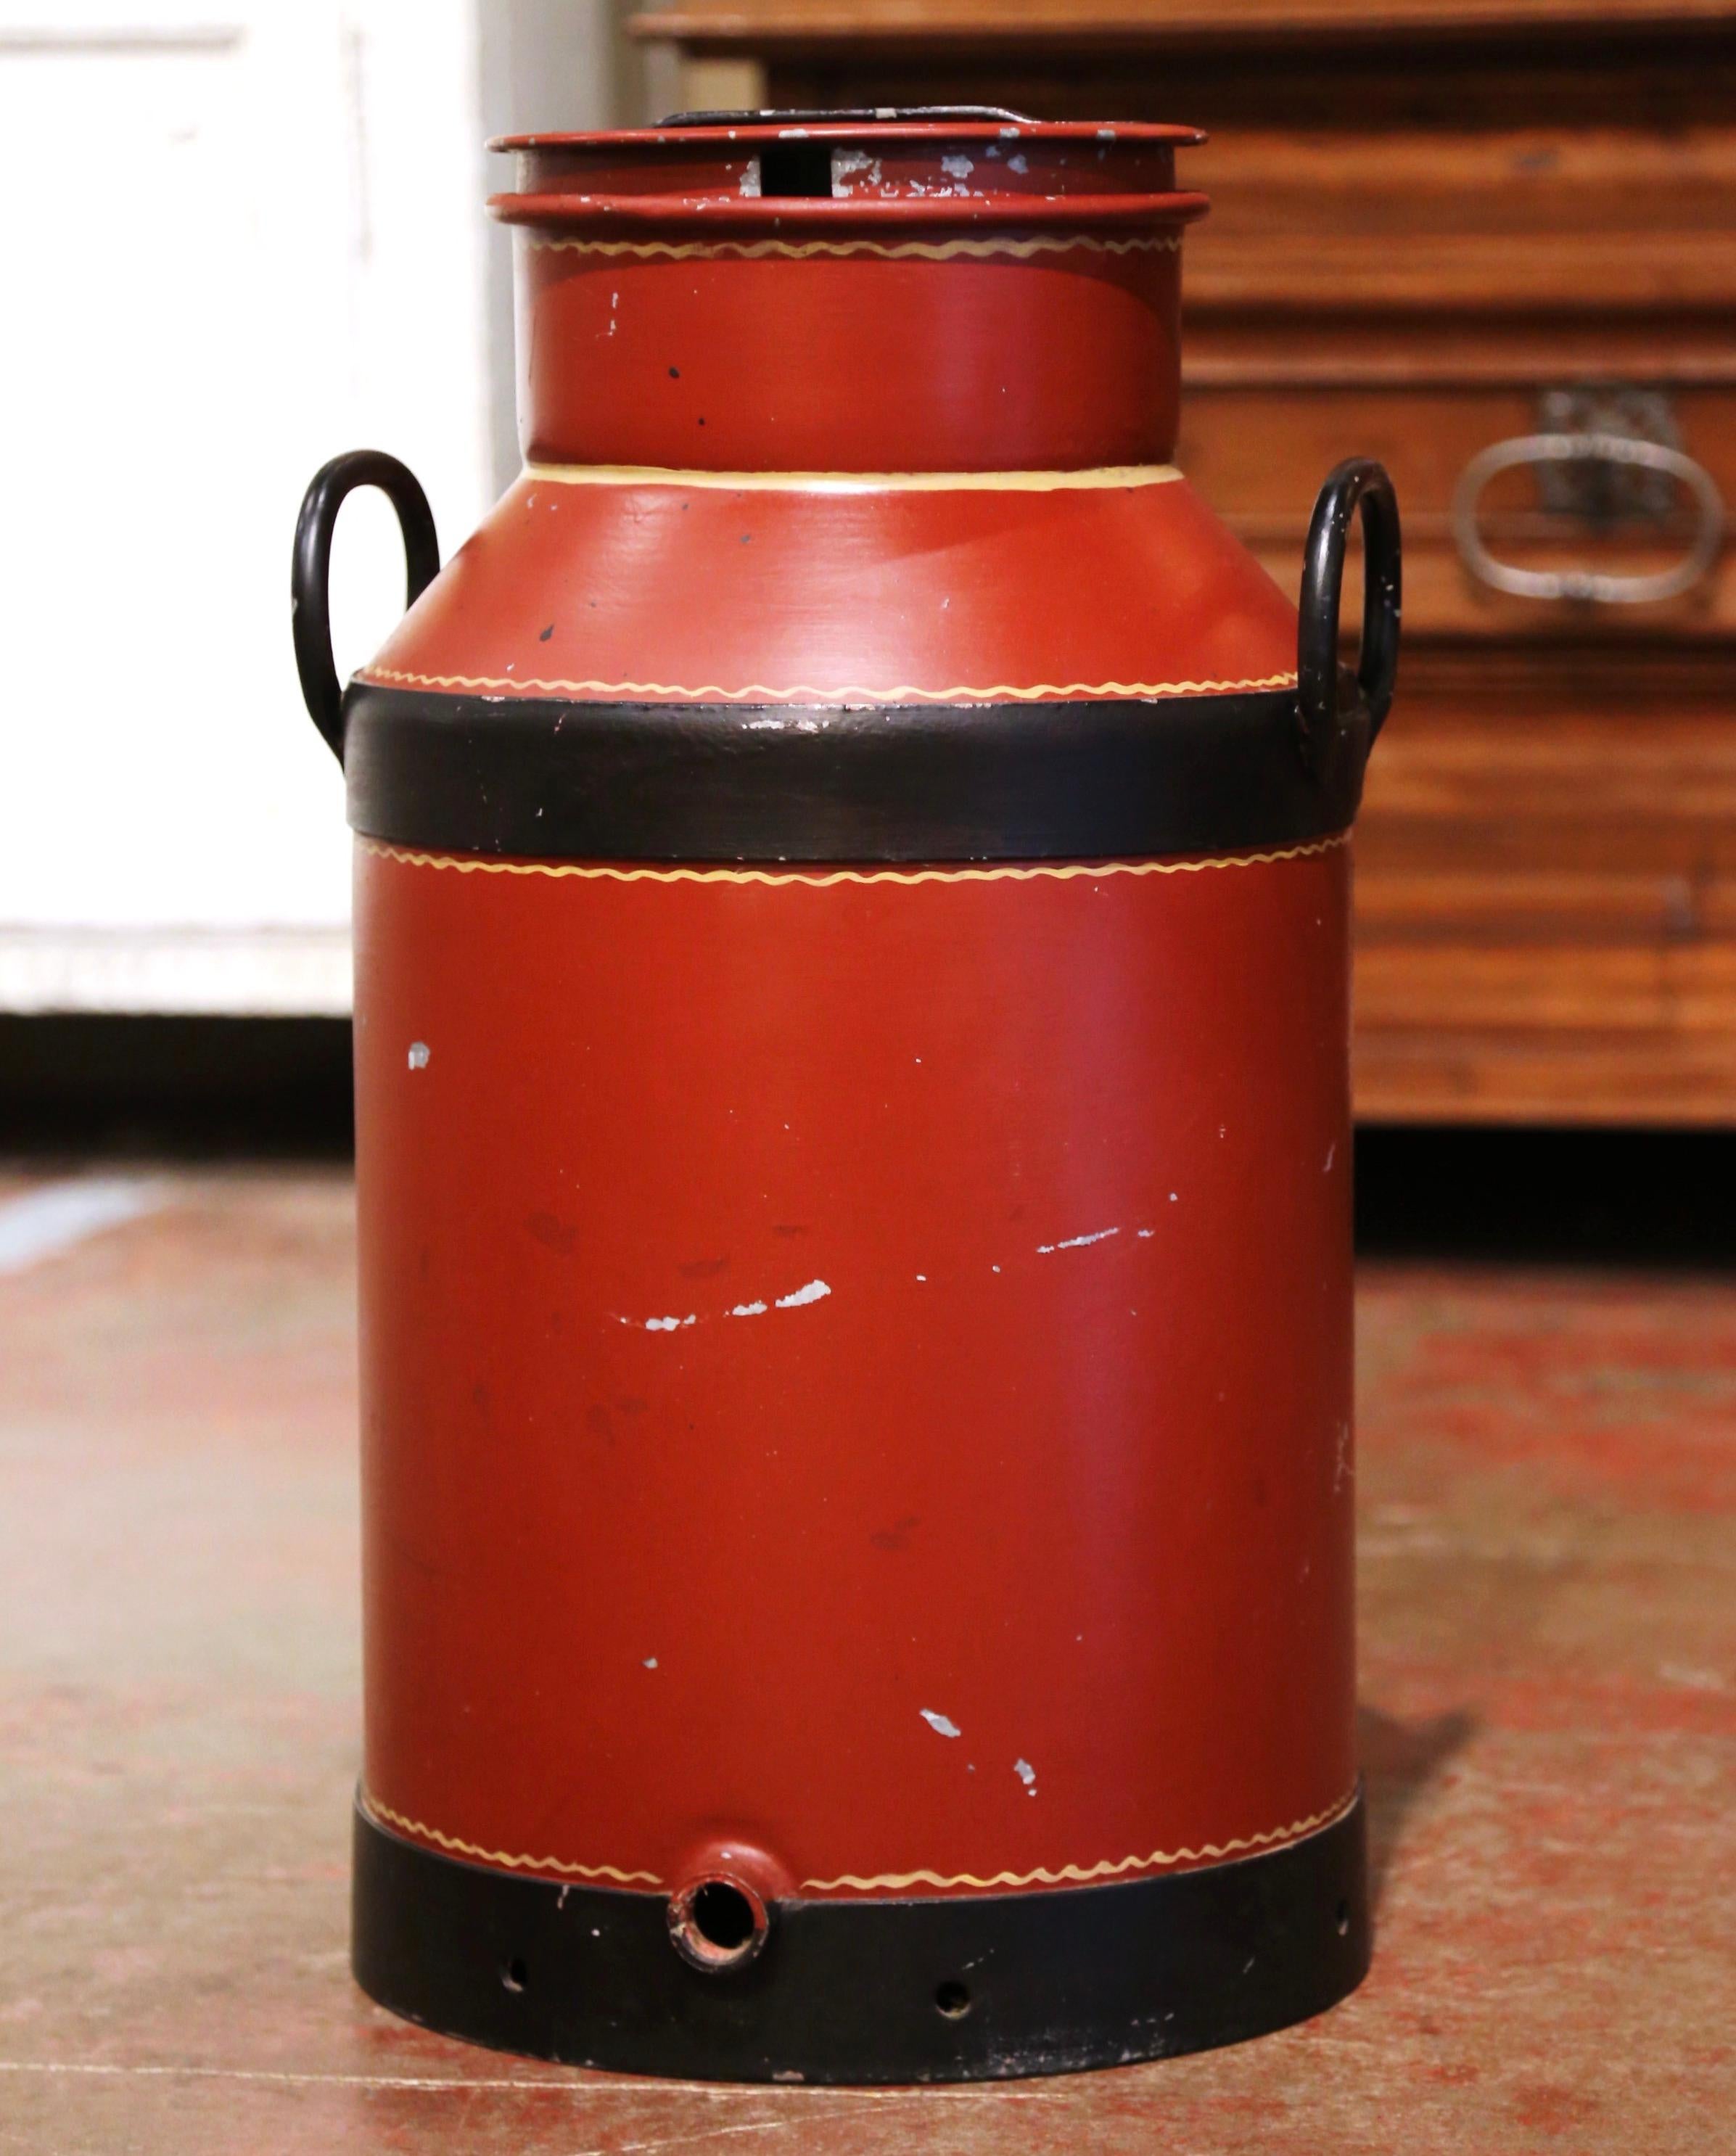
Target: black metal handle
(1359,482)
(310,574)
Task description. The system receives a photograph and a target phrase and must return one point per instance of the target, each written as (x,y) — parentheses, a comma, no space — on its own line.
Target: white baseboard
(238,972)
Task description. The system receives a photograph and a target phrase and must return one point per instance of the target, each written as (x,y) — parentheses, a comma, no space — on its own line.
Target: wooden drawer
(1546,893)
(1427,217)
(1258,451)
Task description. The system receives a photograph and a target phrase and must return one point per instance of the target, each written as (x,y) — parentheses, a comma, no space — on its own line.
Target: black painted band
(963,1989)
(1088,780)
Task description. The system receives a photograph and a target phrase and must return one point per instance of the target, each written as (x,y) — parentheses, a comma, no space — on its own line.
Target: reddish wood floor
(1548,1477)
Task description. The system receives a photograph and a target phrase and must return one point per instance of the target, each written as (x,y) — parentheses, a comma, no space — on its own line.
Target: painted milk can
(853,1132)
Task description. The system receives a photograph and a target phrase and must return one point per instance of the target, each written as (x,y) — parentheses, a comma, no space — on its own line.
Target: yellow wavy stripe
(901,250)
(759,692)
(1158,1860)
(1118,476)
(451,1841)
(1034,872)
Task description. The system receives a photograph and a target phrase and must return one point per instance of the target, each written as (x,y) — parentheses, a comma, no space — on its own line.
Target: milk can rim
(1136,133)
(777,213)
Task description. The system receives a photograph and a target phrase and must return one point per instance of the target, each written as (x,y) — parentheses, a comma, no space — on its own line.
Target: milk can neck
(849,296)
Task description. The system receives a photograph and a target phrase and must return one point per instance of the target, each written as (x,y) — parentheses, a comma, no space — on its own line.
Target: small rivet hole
(953,1999)
(1343,1918)
(514,1976)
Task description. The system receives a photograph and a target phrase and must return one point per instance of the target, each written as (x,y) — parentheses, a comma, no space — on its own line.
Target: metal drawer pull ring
(1586,584)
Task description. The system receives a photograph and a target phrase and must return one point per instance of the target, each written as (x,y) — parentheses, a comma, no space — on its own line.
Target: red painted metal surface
(956,298)
(805,1318)
(690,592)
(856,1365)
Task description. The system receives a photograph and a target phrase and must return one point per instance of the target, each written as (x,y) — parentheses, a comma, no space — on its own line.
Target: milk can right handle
(311,574)
(1357,483)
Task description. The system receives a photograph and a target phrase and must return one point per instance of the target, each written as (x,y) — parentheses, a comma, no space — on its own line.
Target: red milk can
(852,1140)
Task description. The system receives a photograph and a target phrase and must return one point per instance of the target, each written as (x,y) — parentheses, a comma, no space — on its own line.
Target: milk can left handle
(311,572)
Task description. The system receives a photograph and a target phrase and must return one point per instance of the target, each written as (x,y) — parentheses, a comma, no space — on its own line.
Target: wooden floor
(1547,1479)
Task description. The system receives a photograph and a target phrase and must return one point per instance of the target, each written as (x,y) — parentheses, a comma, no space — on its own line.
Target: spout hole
(514,1976)
(796,169)
(723,1916)
(718,1924)
(953,1999)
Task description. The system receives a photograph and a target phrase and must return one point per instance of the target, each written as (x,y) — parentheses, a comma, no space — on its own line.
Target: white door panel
(232,244)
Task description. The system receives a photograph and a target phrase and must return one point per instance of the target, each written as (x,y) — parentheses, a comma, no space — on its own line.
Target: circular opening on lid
(953,1999)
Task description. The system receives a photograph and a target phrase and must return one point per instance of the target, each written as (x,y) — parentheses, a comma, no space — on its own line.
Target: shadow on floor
(1400,1762)
(90,1086)
(1589,1196)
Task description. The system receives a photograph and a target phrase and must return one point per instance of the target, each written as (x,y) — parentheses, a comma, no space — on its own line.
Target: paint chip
(650,1661)
(816,1291)
(1077,1242)
(1028,1774)
(419,1055)
(670,1324)
(942,1725)
(749,1310)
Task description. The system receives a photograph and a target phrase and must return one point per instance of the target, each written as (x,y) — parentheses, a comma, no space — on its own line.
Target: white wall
(234,239)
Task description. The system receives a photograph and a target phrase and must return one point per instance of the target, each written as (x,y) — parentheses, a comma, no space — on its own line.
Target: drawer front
(1546,893)
(1258,451)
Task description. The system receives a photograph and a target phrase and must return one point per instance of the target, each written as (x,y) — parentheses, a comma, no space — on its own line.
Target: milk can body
(852,884)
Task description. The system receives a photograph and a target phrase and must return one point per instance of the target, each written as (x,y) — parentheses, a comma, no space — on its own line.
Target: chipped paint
(748,184)
(1077,1242)
(814,1291)
(855,170)
(942,1725)
(1028,1774)
(418,1058)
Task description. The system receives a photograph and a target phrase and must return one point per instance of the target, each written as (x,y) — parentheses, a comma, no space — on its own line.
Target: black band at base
(968,1988)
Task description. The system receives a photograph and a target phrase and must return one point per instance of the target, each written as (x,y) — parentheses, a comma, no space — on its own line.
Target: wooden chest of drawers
(1438,226)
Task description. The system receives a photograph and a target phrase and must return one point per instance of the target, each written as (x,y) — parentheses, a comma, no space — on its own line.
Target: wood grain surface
(1427,215)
